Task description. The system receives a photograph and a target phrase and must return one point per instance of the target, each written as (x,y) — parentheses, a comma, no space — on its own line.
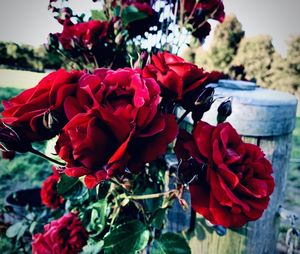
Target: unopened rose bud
(224,110)
(205,97)
(10,140)
(203,103)
(142,60)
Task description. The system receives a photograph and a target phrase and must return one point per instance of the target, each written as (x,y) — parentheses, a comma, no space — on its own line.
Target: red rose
(114,124)
(178,79)
(63,236)
(28,110)
(85,34)
(49,194)
(234,183)
(198,12)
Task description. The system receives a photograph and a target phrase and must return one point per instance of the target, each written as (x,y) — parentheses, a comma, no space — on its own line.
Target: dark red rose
(86,34)
(49,194)
(27,110)
(198,12)
(114,125)
(63,236)
(178,79)
(234,178)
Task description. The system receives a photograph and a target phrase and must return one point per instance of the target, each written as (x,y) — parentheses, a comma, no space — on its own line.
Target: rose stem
(149,196)
(183,116)
(36,152)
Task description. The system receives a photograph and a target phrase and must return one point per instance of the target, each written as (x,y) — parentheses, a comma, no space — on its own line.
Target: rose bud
(203,103)
(10,140)
(142,60)
(224,110)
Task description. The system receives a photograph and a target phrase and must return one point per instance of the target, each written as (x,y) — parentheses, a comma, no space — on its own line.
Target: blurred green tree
(256,54)
(225,43)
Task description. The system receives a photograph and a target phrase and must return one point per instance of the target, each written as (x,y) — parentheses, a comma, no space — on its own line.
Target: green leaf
(98,15)
(127,238)
(14,229)
(117,10)
(158,218)
(32,227)
(98,216)
(66,184)
(22,231)
(130,14)
(170,243)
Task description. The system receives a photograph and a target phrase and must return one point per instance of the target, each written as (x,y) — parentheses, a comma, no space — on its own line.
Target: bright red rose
(63,236)
(49,194)
(234,178)
(29,110)
(178,79)
(114,125)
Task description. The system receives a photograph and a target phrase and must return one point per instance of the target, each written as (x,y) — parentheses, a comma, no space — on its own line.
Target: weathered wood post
(265,118)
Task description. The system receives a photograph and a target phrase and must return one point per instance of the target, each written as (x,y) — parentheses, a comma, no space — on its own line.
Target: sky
(29,21)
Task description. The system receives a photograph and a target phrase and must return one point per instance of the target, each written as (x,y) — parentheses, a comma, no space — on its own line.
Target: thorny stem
(36,152)
(183,116)
(154,195)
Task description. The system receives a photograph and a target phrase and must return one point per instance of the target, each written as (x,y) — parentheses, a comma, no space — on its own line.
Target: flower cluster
(63,236)
(101,41)
(115,127)
(112,122)
(119,28)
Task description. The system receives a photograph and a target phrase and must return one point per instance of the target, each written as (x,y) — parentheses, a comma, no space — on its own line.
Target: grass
(296,141)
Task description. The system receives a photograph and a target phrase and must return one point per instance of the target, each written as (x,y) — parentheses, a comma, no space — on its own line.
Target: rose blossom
(179,80)
(114,125)
(86,34)
(63,236)
(234,178)
(27,110)
(49,194)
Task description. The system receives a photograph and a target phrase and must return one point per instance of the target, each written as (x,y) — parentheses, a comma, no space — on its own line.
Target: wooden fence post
(265,118)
